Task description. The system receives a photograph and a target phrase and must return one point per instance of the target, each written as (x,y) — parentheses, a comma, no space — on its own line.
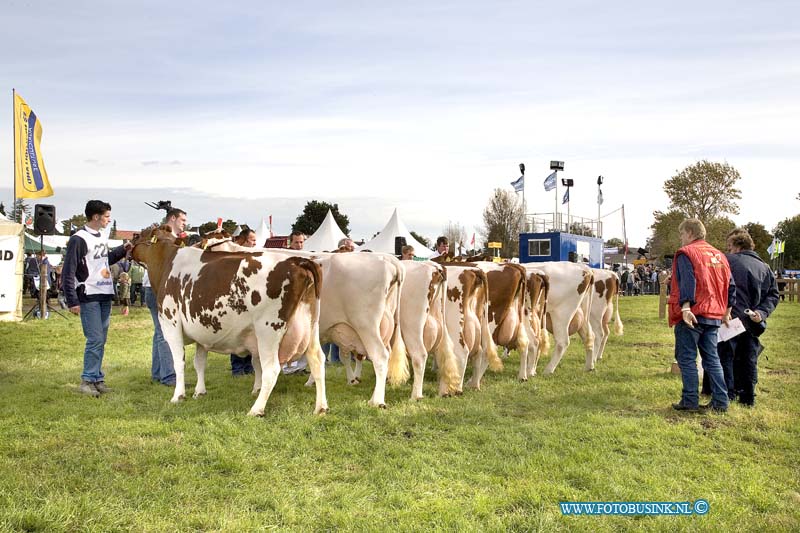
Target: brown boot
(89,389)
(101,387)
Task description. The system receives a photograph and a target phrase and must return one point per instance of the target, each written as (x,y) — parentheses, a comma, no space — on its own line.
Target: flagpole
(625,238)
(14,133)
(556,223)
(524,229)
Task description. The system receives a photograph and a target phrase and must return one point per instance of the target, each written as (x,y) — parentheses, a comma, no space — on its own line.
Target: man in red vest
(701,297)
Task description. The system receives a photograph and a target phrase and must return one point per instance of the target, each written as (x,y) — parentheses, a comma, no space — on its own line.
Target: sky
(247,109)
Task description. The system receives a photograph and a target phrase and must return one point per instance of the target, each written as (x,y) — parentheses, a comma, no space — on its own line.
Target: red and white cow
(568,306)
(359,311)
(466,317)
(235,302)
(605,291)
(422,317)
(507,307)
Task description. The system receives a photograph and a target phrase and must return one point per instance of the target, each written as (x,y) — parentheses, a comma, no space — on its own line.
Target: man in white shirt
(89,289)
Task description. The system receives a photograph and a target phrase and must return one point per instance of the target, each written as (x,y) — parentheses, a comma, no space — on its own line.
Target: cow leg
(357,372)
(419,358)
(380,362)
(461,365)
(174,338)
(256,374)
(601,340)
(562,343)
(316,362)
(479,368)
(347,363)
(270,368)
(200,357)
(587,336)
(533,354)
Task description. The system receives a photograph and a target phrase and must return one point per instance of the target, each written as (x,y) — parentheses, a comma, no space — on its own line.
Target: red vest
(712,275)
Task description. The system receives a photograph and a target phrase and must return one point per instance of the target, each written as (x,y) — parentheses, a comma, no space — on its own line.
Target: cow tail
(398,372)
(618,329)
(544,340)
(444,351)
(490,348)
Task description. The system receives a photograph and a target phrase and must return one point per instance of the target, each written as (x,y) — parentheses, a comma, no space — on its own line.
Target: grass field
(500,459)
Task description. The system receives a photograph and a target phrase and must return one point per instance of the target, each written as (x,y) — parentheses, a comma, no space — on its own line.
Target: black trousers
(739,358)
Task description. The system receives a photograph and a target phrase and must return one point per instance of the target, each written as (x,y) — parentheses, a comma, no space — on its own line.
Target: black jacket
(756,289)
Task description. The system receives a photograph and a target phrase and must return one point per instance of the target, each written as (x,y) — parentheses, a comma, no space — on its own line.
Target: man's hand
(688,317)
(75,310)
(727,317)
(128,246)
(755,316)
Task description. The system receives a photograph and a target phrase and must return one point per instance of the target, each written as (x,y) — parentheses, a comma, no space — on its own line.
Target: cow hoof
(256,413)
(523,380)
(354,381)
(196,395)
(321,411)
(459,393)
(178,399)
(382,406)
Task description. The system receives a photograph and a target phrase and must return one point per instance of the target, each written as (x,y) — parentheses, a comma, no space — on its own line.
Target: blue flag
(550,182)
(565,200)
(518,184)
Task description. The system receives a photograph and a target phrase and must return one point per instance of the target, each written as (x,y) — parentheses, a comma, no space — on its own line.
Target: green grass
(500,459)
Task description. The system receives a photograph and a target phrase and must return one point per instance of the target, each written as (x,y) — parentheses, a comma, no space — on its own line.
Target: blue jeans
(241,365)
(687,342)
(95,318)
(332,350)
(161,369)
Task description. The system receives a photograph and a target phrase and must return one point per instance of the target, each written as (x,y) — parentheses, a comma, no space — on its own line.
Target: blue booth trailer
(560,246)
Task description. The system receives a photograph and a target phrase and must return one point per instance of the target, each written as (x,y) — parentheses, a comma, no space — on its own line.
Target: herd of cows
(279,305)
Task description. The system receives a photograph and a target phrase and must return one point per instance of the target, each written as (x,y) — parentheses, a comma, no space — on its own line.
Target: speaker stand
(42,303)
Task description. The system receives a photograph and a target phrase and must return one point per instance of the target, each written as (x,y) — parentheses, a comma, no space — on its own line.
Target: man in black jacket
(756,299)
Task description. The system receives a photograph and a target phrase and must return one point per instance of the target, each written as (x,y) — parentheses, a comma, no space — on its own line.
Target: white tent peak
(384,241)
(262,233)
(327,236)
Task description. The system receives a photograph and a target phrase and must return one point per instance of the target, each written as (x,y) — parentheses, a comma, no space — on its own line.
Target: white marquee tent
(327,236)
(384,241)
(11,267)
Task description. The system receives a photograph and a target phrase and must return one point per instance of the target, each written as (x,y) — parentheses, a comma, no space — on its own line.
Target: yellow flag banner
(30,176)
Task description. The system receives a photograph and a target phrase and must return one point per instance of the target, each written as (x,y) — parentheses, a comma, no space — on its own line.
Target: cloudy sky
(245,109)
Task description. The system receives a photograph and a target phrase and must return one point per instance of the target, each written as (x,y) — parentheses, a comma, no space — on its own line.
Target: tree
(314,214)
(502,221)
(761,238)
(717,230)
(207,227)
(665,241)
(455,234)
(788,230)
(73,222)
(422,240)
(615,242)
(21,206)
(705,190)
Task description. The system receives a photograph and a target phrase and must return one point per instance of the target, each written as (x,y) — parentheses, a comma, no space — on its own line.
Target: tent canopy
(384,241)
(327,236)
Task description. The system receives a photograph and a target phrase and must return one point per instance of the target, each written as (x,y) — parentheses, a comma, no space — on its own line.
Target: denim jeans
(161,369)
(332,350)
(687,342)
(241,365)
(95,318)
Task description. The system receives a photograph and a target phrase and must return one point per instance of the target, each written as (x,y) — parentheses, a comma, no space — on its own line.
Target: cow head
(152,246)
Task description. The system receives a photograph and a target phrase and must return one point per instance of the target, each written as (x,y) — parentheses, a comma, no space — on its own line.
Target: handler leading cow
(233,302)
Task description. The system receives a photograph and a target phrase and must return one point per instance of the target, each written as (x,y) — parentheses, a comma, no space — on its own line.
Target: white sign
(9,246)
